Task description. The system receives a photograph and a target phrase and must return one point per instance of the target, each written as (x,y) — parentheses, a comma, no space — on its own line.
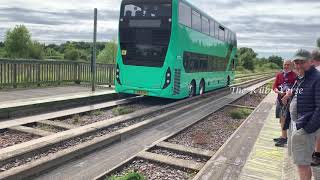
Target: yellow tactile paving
(266,160)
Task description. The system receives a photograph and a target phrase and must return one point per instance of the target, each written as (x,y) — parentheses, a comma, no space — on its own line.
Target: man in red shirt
(284,81)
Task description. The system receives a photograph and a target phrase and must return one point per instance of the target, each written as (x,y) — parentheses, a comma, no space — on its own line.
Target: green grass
(128,176)
(96,113)
(269,85)
(240,113)
(76,119)
(121,111)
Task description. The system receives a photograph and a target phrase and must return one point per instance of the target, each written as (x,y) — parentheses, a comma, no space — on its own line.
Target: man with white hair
(284,81)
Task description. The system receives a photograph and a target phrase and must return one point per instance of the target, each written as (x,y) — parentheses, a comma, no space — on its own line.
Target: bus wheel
(202,87)
(192,89)
(228,81)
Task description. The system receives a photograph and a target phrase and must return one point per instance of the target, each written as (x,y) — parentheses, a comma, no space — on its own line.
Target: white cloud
(267,26)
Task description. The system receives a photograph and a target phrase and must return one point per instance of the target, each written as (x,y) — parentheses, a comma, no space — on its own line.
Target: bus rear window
(147,10)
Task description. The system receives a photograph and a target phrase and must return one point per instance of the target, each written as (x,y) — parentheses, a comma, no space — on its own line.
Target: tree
(36,50)
(17,42)
(55,47)
(247,61)
(3,53)
(276,59)
(318,42)
(109,53)
(247,58)
(1,44)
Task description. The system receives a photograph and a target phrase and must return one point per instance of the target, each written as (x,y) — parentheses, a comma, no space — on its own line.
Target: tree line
(248,60)
(18,44)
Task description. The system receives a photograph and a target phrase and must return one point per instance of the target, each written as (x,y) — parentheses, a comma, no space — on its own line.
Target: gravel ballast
(179,155)
(212,132)
(10,138)
(209,134)
(156,171)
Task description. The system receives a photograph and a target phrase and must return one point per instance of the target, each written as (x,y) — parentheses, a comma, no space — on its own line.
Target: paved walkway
(267,162)
(23,94)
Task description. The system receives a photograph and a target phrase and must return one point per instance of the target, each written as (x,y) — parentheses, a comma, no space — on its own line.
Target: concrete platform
(18,103)
(269,162)
(228,161)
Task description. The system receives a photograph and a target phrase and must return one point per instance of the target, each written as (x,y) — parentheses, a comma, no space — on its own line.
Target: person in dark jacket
(284,81)
(315,57)
(304,113)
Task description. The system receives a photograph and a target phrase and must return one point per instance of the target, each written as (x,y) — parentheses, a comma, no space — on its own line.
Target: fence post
(38,74)
(59,73)
(75,75)
(14,75)
(110,75)
(79,73)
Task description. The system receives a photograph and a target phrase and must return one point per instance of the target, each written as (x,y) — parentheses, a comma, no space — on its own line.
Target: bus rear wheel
(192,89)
(202,87)
(228,81)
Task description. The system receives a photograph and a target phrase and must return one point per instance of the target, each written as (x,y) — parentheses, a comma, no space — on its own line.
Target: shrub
(36,50)
(240,113)
(121,111)
(96,113)
(76,119)
(72,54)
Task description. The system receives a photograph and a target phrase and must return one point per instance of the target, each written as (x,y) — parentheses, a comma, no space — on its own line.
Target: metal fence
(36,72)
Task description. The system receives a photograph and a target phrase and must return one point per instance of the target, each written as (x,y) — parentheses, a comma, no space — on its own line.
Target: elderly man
(304,113)
(284,81)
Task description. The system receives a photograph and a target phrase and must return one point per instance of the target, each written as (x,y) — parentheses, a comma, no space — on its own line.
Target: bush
(240,113)
(121,111)
(128,176)
(71,54)
(55,57)
(240,68)
(36,50)
(3,53)
(272,66)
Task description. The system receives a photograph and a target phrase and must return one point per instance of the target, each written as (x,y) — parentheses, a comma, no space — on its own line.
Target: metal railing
(38,72)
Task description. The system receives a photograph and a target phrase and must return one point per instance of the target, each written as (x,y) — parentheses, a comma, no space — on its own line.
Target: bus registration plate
(142,92)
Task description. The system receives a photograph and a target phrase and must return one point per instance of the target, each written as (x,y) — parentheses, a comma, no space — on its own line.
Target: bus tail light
(118,75)
(168,79)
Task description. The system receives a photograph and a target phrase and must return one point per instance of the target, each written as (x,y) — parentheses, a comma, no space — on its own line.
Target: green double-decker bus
(171,49)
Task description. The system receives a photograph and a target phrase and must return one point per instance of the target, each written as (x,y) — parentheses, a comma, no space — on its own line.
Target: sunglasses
(299,62)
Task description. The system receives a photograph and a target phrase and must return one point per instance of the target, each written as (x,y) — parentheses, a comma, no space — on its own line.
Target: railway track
(182,154)
(32,157)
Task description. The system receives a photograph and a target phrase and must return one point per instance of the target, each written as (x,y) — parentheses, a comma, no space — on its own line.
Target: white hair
(286,61)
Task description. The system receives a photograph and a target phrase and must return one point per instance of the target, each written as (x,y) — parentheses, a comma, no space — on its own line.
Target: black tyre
(192,89)
(228,81)
(202,87)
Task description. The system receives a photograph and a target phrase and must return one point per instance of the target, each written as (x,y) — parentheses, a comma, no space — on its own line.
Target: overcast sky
(268,26)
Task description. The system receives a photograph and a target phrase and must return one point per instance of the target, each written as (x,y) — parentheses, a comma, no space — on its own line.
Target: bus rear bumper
(164,93)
